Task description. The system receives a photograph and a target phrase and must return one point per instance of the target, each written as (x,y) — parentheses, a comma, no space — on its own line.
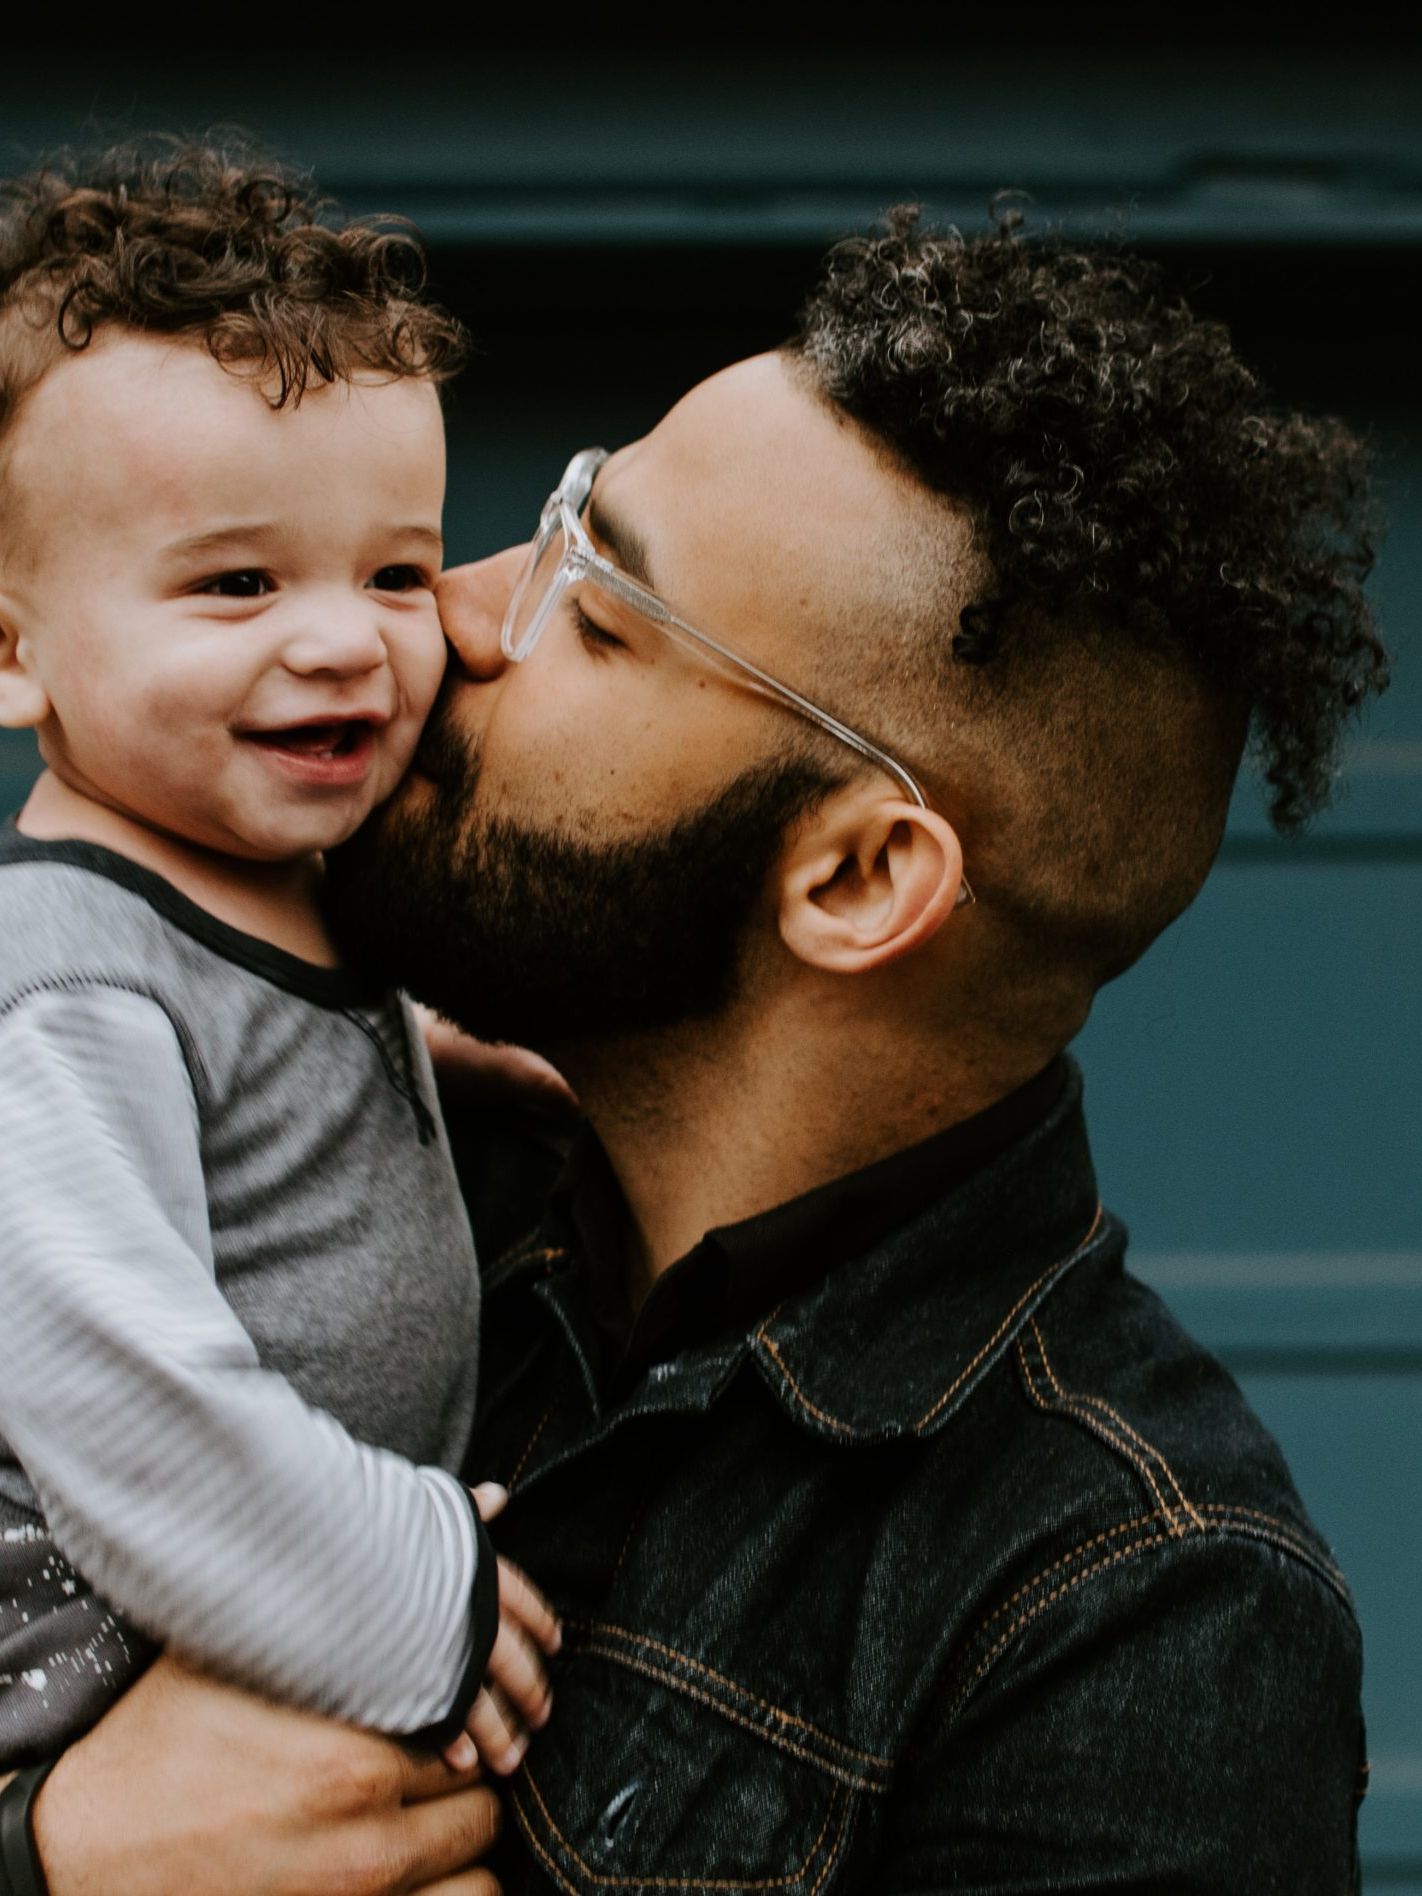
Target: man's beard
(521,934)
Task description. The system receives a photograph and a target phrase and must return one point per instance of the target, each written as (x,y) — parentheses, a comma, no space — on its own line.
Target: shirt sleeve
(1187,1720)
(193,1489)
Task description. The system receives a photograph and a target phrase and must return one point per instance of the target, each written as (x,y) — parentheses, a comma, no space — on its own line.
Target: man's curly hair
(219,244)
(1123,467)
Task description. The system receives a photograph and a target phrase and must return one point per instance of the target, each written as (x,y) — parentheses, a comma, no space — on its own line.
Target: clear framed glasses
(562,555)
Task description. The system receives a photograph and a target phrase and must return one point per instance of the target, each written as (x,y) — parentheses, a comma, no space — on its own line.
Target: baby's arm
(194,1490)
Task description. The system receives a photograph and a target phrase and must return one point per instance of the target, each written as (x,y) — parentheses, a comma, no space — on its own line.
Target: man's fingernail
(462,1753)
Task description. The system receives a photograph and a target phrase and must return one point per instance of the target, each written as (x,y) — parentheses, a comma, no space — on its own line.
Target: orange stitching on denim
(841,1773)
(1050,1599)
(846,1428)
(532,1444)
(1186,1505)
(531,1254)
(1074,1406)
(526,1825)
(831,1855)
(1283,1536)
(733,1685)
(688,1882)
(1098,1428)
(1098,1402)
(1236,1507)
(1109,1533)
(1009,1319)
(542,1254)
(830,1421)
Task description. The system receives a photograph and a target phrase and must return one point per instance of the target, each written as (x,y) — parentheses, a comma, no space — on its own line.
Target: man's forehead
(748,436)
(752,492)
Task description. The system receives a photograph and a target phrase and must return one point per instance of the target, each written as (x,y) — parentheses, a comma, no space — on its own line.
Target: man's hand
(516,1699)
(190,1788)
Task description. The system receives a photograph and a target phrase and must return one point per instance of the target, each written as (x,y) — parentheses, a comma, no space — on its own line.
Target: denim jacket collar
(890,1344)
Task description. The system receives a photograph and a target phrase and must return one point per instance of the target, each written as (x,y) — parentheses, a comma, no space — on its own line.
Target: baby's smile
(334,751)
(234,637)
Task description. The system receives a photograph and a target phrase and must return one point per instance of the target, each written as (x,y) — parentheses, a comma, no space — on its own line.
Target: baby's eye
(399,579)
(246,583)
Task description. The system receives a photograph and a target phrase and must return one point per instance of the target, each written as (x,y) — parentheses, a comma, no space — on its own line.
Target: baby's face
(229,608)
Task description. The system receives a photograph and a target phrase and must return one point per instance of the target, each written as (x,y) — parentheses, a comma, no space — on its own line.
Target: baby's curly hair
(1122,465)
(218,243)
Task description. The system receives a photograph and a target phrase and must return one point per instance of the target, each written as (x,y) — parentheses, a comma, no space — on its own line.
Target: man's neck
(708,1125)
(275,901)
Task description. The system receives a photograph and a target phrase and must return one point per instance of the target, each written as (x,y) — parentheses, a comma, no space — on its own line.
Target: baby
(238,1299)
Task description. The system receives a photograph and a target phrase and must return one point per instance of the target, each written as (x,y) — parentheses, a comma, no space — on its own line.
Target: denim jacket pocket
(644,1783)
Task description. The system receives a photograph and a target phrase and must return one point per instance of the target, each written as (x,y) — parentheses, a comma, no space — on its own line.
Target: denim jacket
(962,1569)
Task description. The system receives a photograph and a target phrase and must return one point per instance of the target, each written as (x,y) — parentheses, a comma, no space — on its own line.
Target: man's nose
(472,601)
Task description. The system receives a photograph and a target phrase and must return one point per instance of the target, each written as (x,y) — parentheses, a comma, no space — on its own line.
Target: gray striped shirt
(238,1316)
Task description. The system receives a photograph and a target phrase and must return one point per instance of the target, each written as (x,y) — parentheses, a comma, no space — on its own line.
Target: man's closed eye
(595,638)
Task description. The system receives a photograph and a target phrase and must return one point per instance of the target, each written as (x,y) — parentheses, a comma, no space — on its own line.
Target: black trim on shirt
(334,988)
(484,1611)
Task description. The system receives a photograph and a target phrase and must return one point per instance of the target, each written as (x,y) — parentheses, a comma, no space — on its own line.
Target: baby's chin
(282,840)
(310,819)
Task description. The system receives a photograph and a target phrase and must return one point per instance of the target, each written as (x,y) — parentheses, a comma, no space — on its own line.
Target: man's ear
(24,702)
(868,879)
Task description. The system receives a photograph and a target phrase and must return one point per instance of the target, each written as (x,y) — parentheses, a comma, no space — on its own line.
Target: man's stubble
(525,935)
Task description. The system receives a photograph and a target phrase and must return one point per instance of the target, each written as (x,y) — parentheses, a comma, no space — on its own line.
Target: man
(796,791)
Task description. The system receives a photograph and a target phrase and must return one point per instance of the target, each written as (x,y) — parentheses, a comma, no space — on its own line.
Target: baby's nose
(337,637)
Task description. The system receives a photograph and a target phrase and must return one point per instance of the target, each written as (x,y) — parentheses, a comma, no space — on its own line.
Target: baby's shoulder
(68,923)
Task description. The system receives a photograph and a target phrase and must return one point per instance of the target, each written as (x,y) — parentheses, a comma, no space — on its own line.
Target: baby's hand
(473,1073)
(516,1699)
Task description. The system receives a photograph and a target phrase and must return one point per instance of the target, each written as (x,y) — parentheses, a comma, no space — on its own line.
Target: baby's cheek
(397,751)
(424,663)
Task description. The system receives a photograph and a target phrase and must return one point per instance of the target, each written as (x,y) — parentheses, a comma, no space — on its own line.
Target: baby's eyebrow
(247,534)
(414,532)
(264,533)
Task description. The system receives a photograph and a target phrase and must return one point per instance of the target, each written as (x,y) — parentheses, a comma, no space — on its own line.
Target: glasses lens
(528,608)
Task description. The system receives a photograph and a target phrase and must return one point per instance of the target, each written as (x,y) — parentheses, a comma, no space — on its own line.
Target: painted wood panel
(613,229)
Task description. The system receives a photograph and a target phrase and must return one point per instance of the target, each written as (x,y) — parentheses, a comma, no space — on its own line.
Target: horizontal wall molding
(724,214)
(1280,851)
(1326,1310)
(1282,142)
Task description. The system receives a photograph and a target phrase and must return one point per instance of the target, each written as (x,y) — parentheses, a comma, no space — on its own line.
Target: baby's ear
(24,702)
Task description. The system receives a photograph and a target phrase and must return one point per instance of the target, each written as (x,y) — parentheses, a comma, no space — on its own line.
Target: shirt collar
(893,1344)
(739,1274)
(885,1343)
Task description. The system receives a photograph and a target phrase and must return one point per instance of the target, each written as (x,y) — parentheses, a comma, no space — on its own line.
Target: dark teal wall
(614,230)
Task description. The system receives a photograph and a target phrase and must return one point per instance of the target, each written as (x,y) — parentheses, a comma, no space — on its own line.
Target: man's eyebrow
(624,547)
